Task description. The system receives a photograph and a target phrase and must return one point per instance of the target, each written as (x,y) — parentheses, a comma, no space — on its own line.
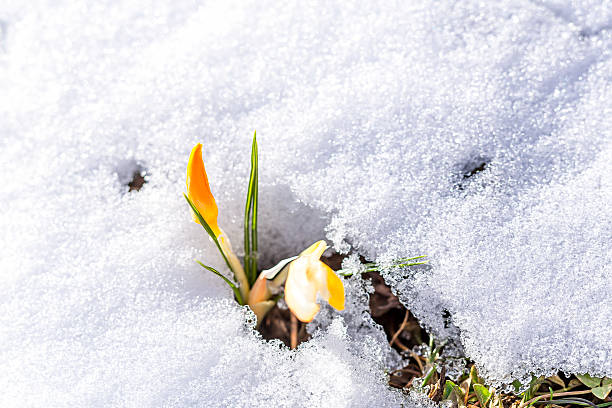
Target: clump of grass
(471,391)
(426,368)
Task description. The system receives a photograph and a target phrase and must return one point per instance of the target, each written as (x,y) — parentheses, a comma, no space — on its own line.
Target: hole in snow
(277,325)
(132,174)
(447,318)
(587,32)
(402,329)
(137,181)
(470,169)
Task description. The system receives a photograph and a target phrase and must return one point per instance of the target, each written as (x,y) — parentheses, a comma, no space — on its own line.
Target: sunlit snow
(476,132)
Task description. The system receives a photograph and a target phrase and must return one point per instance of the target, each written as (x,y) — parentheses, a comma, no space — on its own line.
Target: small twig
(294,331)
(401,328)
(418,360)
(559,394)
(406,370)
(401,345)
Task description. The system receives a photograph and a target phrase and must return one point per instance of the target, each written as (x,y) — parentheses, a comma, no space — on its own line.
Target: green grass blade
(250,218)
(412,258)
(429,375)
(229,282)
(255,171)
(247,236)
(209,231)
(397,261)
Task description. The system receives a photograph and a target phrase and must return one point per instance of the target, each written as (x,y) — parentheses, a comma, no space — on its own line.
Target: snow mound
(478,133)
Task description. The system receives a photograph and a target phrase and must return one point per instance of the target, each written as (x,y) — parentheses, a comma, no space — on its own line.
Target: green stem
(210,232)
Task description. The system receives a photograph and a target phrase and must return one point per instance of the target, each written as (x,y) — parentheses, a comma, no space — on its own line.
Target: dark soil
(137,182)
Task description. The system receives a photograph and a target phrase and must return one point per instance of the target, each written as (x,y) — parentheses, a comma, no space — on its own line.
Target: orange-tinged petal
(315,249)
(198,189)
(259,292)
(300,292)
(316,273)
(261,309)
(336,290)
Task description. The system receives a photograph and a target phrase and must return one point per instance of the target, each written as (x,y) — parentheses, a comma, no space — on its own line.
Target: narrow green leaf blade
(200,218)
(209,231)
(247,235)
(229,282)
(429,375)
(255,171)
(250,218)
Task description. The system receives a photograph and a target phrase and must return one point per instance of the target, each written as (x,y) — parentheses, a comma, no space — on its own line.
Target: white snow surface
(371,117)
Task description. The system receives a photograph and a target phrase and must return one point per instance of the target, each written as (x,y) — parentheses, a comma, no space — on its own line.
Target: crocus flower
(308,278)
(198,192)
(267,285)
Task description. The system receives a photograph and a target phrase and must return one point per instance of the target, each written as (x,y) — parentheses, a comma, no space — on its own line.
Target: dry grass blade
(400,329)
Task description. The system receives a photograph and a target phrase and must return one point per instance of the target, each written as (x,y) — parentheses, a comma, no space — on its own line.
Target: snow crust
(475,132)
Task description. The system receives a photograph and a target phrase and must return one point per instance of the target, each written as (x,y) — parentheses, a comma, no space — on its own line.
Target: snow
(372,118)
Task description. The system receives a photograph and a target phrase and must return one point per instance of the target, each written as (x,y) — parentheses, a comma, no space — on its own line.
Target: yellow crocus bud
(198,190)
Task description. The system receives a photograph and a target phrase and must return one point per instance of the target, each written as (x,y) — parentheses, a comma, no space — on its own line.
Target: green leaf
(534,385)
(603,391)
(451,387)
(474,376)
(517,385)
(209,231)
(250,217)
(589,381)
(457,395)
(482,393)
(229,282)
(448,387)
